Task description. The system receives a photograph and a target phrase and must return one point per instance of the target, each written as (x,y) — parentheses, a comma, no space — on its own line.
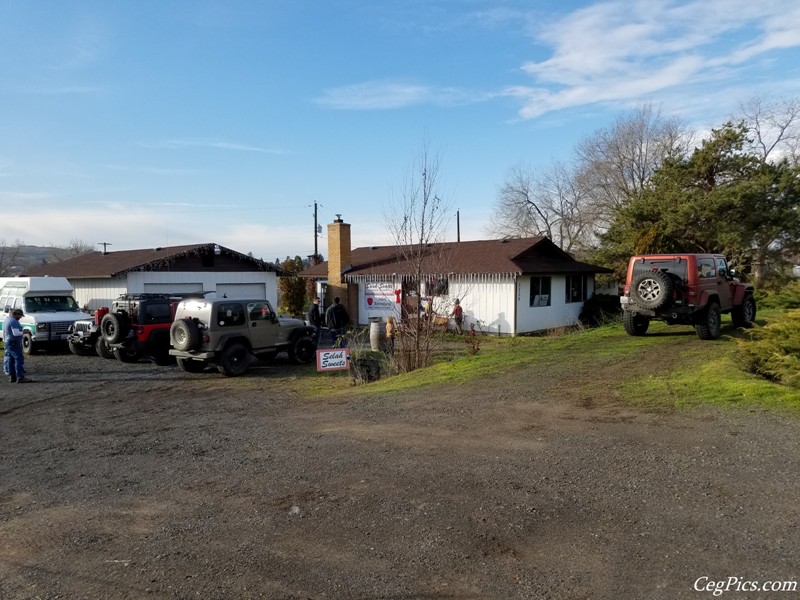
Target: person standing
(458,316)
(337,320)
(391,333)
(314,319)
(14,360)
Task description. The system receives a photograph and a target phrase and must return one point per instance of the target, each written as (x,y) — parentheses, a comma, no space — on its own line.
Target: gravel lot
(138,481)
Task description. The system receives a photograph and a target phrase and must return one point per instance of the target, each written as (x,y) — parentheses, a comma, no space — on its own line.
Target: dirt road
(137,481)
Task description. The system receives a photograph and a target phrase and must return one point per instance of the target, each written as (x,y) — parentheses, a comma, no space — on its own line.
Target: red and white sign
(333,359)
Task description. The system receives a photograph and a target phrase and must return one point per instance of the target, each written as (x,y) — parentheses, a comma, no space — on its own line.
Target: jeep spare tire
(114,327)
(652,289)
(185,335)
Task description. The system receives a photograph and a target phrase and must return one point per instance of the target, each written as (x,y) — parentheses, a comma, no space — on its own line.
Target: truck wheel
(185,335)
(102,349)
(710,325)
(187,365)
(125,355)
(235,360)
(652,289)
(302,350)
(28,347)
(744,315)
(114,327)
(78,349)
(635,324)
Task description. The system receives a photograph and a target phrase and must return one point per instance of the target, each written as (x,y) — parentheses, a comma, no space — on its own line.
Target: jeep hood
(291,322)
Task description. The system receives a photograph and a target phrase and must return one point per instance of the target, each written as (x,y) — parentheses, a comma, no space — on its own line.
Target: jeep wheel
(235,360)
(710,325)
(125,355)
(78,349)
(102,349)
(187,365)
(114,327)
(185,335)
(302,350)
(652,289)
(744,315)
(635,324)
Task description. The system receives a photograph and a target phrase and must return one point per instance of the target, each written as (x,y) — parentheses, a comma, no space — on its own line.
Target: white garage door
(242,290)
(172,288)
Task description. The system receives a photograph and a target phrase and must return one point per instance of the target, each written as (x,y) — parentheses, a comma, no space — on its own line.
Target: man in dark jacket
(315,319)
(337,320)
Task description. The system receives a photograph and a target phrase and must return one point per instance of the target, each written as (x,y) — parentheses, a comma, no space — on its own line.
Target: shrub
(600,309)
(785,297)
(773,352)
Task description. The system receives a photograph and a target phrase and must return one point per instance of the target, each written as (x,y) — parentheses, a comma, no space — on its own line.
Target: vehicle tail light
(206,339)
(99,314)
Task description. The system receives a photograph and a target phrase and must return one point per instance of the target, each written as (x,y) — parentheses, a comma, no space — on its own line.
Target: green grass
(673,368)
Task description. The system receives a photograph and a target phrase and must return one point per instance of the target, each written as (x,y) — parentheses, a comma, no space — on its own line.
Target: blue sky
(157,122)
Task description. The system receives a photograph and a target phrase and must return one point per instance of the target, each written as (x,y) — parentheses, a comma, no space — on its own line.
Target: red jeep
(685,289)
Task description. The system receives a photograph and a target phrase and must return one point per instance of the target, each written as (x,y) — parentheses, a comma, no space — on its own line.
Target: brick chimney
(339,257)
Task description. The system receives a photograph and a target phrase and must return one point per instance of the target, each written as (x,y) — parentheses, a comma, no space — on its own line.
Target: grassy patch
(669,367)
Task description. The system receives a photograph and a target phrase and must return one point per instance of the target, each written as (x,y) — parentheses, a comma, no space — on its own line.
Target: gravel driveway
(138,481)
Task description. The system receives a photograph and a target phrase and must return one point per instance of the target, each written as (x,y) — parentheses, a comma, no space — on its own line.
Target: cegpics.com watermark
(717,587)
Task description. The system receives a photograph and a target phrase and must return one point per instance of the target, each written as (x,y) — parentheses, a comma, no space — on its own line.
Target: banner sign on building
(381,298)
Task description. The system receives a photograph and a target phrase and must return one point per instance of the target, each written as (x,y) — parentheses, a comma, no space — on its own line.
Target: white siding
(487,300)
(560,313)
(95,293)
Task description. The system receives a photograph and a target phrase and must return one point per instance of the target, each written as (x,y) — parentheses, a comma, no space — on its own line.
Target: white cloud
(390,94)
(177,144)
(621,50)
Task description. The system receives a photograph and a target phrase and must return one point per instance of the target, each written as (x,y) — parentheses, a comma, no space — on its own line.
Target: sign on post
(333,359)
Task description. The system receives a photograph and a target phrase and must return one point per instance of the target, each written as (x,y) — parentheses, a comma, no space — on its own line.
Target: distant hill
(14,260)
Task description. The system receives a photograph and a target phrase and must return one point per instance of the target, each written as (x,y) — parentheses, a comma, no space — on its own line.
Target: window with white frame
(540,291)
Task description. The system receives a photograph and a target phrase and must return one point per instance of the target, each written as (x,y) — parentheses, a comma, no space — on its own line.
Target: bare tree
(615,164)
(9,255)
(547,202)
(416,223)
(76,247)
(773,128)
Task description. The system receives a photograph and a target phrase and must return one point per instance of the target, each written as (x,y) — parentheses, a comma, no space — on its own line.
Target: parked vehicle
(137,326)
(685,289)
(229,333)
(50,310)
(85,337)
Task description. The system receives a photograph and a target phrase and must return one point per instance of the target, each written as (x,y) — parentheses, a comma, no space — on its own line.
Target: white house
(505,287)
(100,277)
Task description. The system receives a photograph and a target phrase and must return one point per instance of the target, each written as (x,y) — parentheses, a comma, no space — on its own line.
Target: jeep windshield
(39,304)
(674,266)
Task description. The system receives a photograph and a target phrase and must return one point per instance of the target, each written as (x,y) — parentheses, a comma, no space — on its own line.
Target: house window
(540,291)
(576,288)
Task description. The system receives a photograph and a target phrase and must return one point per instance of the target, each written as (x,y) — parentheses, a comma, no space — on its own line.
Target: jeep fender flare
(705,299)
(300,332)
(739,293)
(234,338)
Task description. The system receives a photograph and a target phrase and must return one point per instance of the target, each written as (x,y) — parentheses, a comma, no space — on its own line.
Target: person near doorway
(314,319)
(337,320)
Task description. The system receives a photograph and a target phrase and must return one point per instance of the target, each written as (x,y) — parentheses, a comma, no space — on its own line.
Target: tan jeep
(230,333)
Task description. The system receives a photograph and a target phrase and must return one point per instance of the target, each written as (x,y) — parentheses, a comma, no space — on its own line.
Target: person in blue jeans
(14,360)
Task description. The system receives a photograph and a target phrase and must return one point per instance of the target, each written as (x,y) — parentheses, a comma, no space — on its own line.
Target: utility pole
(458,225)
(316,231)
(105,246)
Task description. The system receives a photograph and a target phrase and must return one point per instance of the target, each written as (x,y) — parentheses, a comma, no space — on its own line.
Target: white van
(48,305)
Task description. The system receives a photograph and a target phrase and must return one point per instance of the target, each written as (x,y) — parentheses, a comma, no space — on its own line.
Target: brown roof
(520,256)
(112,264)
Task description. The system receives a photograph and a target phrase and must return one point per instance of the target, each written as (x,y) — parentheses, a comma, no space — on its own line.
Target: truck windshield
(50,304)
(676,267)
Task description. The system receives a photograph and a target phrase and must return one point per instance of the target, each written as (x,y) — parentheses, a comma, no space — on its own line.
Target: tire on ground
(102,348)
(78,349)
(709,325)
(185,334)
(302,350)
(125,355)
(114,327)
(744,315)
(635,324)
(652,289)
(28,347)
(235,360)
